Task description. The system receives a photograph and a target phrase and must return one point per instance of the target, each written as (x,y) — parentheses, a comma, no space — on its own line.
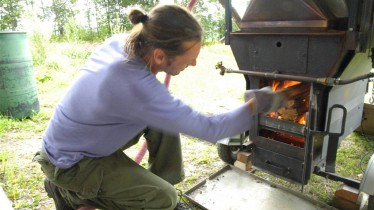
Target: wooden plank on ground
(243,156)
(348,193)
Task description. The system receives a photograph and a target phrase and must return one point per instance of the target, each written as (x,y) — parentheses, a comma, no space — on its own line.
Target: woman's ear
(159,57)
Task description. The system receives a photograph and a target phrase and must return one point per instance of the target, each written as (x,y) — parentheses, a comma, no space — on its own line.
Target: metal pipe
(347,81)
(328,81)
(336,177)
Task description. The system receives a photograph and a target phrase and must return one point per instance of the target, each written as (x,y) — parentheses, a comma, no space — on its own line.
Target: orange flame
(288,83)
(302,120)
(277,85)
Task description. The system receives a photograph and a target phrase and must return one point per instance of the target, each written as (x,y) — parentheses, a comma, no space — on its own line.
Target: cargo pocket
(91,184)
(84,178)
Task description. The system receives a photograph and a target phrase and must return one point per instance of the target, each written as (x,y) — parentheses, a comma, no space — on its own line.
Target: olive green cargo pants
(117,182)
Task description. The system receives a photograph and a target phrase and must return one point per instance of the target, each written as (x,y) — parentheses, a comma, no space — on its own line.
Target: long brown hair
(166,27)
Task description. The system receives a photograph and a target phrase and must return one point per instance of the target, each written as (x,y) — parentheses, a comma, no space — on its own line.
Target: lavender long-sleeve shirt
(112,100)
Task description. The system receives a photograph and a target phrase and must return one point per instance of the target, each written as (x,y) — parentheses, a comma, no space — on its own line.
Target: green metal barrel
(18,93)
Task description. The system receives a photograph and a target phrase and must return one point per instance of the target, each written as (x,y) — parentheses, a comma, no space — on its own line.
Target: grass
(21,178)
(201,87)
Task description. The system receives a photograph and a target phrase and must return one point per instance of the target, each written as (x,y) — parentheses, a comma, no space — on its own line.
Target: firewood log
(294,91)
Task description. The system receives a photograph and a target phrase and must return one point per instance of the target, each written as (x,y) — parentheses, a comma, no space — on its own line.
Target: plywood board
(234,189)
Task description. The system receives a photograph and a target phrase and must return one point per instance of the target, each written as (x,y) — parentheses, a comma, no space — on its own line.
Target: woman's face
(178,63)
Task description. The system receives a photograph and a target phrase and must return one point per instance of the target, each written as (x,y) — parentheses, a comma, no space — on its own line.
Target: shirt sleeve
(152,104)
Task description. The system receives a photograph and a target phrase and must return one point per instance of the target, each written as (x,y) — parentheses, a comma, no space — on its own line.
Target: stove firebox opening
(292,114)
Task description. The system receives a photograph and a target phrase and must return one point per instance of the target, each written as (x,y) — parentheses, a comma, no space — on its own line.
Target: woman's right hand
(264,100)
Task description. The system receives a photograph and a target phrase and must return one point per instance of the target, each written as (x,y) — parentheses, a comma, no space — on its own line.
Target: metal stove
(325,50)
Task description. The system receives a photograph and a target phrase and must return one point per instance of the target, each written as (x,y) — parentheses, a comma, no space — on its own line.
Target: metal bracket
(334,138)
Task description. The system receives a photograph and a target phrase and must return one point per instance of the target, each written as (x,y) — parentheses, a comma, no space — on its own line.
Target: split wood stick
(294,91)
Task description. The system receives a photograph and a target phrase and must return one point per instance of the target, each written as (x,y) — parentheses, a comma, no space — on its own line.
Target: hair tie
(143,18)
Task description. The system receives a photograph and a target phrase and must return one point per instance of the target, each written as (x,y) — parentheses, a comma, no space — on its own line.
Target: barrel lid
(13,32)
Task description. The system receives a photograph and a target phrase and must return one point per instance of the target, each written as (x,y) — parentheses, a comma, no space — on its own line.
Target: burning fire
(295,109)
(277,85)
(302,120)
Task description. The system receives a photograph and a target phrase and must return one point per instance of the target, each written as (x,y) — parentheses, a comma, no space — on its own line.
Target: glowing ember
(282,137)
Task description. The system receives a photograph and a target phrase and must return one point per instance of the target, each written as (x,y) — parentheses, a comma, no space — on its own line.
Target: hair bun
(143,18)
(137,16)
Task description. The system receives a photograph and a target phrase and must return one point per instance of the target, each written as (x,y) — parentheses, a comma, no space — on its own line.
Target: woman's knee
(168,197)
